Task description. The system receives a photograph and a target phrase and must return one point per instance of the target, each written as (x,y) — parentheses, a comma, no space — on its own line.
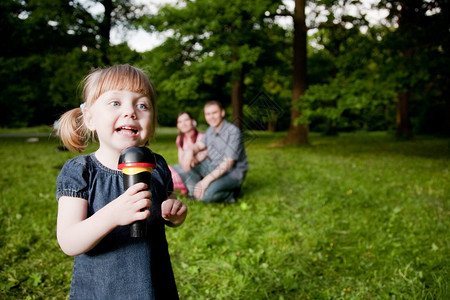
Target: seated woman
(187,136)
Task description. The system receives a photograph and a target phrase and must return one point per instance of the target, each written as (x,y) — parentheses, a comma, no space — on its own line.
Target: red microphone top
(137,157)
(136,165)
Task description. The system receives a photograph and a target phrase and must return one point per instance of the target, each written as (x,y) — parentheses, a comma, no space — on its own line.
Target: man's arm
(203,184)
(221,169)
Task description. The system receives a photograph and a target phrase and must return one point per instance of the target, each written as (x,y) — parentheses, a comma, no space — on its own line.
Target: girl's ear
(88,119)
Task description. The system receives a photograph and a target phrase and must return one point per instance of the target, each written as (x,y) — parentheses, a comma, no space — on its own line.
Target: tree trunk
(447,116)
(272,123)
(237,96)
(298,133)
(105,30)
(404,127)
(406,21)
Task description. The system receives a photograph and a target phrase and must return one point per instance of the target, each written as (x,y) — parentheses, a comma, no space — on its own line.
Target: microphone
(137,164)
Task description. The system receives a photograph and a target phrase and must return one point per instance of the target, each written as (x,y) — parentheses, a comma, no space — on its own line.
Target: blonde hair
(71,127)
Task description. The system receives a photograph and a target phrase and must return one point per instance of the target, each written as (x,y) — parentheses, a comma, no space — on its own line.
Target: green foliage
(355,102)
(359,216)
(52,45)
(214,44)
(416,58)
(367,71)
(352,95)
(353,75)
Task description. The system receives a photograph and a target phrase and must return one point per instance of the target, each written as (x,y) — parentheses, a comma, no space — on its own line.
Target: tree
(51,45)
(351,94)
(221,42)
(116,13)
(298,133)
(38,35)
(386,66)
(421,54)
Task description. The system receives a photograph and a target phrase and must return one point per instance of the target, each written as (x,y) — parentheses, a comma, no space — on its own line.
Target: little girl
(93,208)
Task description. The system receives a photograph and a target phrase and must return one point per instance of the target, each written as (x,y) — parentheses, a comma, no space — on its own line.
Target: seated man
(220,175)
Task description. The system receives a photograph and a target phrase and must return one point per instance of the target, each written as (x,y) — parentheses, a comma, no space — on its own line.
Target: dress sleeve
(73,179)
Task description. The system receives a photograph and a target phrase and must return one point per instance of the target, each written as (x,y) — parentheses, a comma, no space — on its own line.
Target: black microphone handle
(138,228)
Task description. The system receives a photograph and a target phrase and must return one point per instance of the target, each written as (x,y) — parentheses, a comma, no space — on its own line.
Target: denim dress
(119,266)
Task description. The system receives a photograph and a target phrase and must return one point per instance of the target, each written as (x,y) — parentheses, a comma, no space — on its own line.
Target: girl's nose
(129,112)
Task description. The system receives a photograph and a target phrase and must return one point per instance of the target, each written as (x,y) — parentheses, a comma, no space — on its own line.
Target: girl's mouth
(129,130)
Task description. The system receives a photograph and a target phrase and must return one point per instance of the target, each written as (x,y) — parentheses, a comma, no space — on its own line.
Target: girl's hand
(173,211)
(132,205)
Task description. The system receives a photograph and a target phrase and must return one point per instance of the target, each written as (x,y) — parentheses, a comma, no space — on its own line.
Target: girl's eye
(114,103)
(142,106)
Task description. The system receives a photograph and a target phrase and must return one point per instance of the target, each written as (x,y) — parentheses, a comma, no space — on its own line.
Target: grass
(28,130)
(359,216)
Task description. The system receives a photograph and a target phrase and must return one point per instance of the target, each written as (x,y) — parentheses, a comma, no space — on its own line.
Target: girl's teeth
(127,128)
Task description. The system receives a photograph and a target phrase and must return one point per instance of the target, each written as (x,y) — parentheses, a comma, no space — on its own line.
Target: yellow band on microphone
(135,170)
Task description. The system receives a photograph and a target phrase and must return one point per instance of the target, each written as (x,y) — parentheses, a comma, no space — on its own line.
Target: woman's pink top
(187,144)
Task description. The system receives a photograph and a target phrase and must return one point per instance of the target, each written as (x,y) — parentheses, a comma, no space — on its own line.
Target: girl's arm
(78,234)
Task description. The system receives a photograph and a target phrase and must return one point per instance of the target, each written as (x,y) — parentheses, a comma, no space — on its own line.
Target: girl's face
(122,119)
(185,124)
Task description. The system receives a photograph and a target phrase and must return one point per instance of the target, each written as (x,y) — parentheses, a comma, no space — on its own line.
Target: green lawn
(359,216)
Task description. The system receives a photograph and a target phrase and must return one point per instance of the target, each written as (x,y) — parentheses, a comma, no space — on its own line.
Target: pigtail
(72,131)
